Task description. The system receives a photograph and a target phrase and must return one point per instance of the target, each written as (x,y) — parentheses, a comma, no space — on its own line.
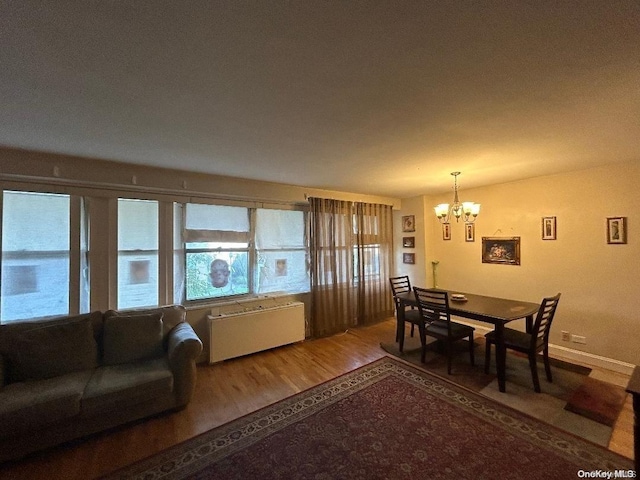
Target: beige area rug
(573,402)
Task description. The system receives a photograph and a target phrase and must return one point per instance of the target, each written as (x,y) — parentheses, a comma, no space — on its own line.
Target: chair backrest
(399,285)
(433,305)
(542,323)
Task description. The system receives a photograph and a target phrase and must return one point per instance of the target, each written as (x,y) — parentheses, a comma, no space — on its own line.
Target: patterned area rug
(386,420)
(573,401)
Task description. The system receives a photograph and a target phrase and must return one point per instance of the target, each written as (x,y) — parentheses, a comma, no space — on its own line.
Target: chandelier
(458,209)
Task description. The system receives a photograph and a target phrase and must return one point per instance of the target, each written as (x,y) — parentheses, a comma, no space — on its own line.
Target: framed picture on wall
(617,230)
(409,242)
(409,223)
(548,228)
(469,232)
(409,258)
(446,231)
(501,250)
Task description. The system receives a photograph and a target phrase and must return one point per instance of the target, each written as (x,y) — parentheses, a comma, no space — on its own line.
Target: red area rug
(386,420)
(598,401)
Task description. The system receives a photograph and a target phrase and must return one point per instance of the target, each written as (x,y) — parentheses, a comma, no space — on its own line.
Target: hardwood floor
(230,389)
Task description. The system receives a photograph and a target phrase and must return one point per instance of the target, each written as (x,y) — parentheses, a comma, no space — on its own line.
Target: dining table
(493,310)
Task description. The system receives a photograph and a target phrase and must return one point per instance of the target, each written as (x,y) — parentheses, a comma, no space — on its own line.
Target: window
(216,241)
(137,253)
(35,255)
(232,250)
(281,252)
(366,229)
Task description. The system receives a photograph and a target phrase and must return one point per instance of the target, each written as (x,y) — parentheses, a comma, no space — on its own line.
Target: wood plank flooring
(230,389)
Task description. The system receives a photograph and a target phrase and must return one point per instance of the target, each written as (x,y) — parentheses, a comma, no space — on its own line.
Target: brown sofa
(67,377)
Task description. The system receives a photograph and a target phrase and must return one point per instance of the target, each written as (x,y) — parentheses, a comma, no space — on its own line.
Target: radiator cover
(254,330)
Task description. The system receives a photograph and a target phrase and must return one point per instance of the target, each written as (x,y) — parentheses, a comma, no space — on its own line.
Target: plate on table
(458,297)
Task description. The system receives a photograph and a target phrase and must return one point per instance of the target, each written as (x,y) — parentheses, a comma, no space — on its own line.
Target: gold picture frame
(501,250)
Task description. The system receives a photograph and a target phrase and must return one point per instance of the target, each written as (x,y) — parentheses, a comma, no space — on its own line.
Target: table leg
(501,356)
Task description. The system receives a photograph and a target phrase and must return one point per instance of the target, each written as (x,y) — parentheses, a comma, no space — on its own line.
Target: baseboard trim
(575,356)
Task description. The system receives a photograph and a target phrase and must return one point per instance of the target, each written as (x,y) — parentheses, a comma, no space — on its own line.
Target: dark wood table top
(484,308)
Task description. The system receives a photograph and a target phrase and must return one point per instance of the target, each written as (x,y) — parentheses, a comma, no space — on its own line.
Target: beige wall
(599,282)
(106,178)
(416,272)
(102,182)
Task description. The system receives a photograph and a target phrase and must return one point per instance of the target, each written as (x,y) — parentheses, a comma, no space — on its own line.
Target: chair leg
(471,352)
(423,342)
(448,347)
(547,366)
(487,356)
(412,328)
(534,372)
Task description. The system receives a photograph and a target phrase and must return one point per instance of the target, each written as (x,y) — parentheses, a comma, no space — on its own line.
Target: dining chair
(402,285)
(433,306)
(530,343)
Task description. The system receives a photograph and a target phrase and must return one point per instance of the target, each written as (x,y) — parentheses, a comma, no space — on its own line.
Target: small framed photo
(446,231)
(409,223)
(409,258)
(548,228)
(616,230)
(469,232)
(409,242)
(503,251)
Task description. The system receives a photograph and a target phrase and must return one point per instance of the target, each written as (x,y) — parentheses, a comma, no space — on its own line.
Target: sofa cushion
(10,331)
(118,386)
(53,350)
(128,338)
(172,315)
(33,404)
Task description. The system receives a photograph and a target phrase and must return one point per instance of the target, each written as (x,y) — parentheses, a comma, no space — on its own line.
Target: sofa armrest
(184,347)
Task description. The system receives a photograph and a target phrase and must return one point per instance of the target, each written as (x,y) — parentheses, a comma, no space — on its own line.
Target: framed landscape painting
(501,250)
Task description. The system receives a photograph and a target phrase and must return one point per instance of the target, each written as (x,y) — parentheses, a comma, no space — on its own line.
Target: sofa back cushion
(129,338)
(172,315)
(49,349)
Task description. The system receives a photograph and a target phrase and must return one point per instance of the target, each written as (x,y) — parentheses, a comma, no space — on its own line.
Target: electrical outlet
(579,339)
(566,336)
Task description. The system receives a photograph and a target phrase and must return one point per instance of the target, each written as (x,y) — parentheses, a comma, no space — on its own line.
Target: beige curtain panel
(351,260)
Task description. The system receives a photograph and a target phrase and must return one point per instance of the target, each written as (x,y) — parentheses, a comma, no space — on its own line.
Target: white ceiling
(377,97)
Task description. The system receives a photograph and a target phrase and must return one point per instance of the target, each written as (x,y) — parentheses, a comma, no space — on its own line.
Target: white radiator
(255,329)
